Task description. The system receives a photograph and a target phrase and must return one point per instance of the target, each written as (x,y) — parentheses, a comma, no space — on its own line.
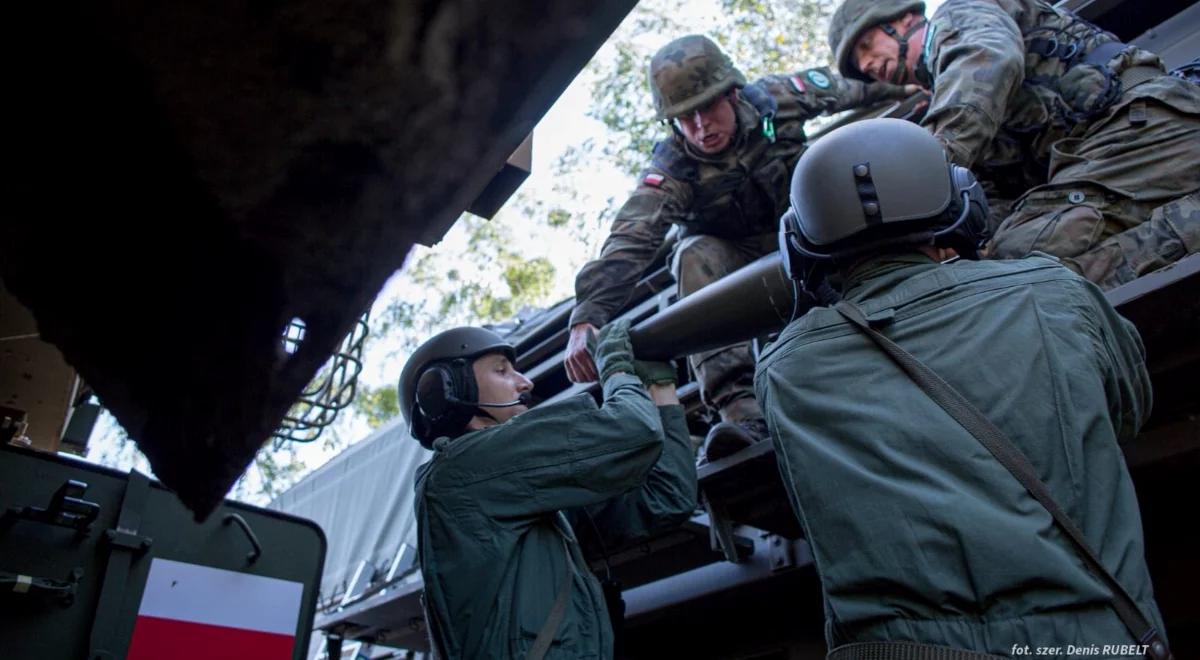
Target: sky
(566,124)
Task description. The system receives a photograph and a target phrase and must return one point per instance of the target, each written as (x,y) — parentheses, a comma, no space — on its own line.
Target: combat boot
(728,438)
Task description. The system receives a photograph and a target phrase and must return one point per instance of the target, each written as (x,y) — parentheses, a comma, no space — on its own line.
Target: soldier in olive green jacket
(504,575)
(920,535)
(722,178)
(1097,145)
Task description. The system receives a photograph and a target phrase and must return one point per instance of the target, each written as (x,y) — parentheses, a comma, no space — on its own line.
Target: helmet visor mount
(934,234)
(876,186)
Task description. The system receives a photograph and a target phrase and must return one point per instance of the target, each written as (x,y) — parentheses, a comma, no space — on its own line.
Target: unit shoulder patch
(819,79)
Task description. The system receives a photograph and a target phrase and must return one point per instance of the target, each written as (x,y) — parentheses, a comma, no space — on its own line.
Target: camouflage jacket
(739,192)
(1009,78)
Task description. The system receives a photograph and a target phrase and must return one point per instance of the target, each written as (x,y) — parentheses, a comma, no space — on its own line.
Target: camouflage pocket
(1054,222)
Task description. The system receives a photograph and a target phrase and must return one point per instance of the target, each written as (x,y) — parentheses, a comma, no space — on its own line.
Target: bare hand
(578,361)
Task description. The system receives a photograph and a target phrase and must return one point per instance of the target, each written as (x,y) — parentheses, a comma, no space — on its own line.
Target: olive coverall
(494,540)
(918,533)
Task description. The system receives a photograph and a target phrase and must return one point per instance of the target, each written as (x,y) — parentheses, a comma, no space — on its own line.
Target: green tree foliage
(377,405)
(495,284)
(271,473)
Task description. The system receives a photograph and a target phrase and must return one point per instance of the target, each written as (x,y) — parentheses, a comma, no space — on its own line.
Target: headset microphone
(524,399)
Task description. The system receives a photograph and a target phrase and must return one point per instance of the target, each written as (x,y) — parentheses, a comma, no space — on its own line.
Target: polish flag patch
(798,84)
(193,612)
(655,180)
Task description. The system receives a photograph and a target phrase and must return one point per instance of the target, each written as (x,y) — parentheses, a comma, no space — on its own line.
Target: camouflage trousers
(1123,199)
(726,375)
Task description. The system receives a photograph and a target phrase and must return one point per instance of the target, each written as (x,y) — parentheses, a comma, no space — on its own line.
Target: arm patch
(653,180)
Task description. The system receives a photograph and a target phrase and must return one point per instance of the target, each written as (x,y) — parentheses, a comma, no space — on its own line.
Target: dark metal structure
(240,166)
(234,166)
(78,548)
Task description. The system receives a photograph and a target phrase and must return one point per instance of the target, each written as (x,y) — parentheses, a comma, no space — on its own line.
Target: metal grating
(330,391)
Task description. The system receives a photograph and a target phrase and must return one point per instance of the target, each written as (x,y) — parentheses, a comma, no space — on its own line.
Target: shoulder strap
(546,635)
(760,97)
(436,652)
(672,159)
(765,104)
(992,438)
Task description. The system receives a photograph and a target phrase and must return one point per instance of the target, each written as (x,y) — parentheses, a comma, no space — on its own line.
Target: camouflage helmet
(688,73)
(854,17)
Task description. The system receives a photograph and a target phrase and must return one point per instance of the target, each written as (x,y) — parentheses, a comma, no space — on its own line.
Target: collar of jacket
(877,276)
(747,123)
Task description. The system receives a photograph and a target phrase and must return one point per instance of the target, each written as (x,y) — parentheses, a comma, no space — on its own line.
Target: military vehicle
(737,581)
(276,204)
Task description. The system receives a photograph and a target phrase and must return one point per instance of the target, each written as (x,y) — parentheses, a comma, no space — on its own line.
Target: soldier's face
(878,55)
(500,382)
(710,128)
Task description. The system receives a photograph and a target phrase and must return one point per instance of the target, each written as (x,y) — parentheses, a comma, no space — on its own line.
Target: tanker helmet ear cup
(442,399)
(975,227)
(788,256)
(435,392)
(961,179)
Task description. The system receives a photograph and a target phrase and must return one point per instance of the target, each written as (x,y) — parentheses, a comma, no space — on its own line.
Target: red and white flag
(193,612)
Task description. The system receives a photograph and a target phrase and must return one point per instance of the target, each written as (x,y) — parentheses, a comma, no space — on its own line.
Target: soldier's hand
(881,91)
(578,361)
(854,94)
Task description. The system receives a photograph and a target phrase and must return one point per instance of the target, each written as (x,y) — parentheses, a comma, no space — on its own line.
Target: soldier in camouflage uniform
(722,177)
(1099,148)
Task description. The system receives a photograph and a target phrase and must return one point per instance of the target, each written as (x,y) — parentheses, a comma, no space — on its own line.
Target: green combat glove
(655,373)
(612,351)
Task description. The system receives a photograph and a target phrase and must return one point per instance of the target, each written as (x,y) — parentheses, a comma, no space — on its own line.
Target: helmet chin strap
(901,72)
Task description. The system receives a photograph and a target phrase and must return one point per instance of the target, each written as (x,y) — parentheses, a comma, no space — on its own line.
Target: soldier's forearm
(963,130)
(588,313)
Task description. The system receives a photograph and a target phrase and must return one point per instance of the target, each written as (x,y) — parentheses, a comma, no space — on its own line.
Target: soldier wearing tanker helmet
(499,503)
(1089,148)
(721,177)
(914,419)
